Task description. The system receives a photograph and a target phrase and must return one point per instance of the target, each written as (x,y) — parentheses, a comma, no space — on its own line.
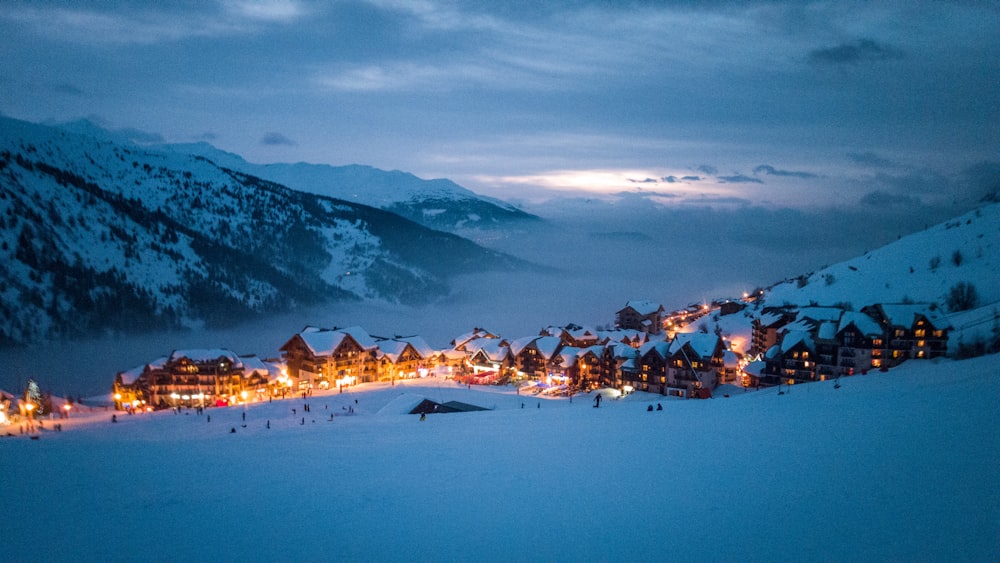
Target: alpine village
(647,350)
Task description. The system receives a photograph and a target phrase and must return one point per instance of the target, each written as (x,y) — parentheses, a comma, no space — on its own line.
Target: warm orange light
(67,406)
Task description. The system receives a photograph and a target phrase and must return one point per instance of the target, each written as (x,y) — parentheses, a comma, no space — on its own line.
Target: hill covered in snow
(899,466)
(98,234)
(955,266)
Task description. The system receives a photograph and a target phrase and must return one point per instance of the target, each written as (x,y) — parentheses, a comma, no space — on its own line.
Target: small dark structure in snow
(429,406)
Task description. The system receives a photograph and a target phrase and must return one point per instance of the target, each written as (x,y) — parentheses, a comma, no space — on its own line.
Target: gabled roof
(521,343)
(567,356)
(905,315)
(643,306)
(704,344)
(393,349)
(864,323)
(548,346)
(493,349)
(129,377)
(793,339)
(659,347)
(821,313)
(324,342)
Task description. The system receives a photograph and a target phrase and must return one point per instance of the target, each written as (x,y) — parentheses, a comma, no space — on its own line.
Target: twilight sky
(685,102)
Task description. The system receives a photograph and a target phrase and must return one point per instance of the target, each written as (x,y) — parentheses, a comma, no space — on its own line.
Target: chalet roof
(548,346)
(521,343)
(827,330)
(770,319)
(821,313)
(704,344)
(205,355)
(476,333)
(493,349)
(660,347)
(253,364)
(325,342)
(129,377)
(596,350)
(905,315)
(419,344)
(864,323)
(793,339)
(393,349)
(730,359)
(643,307)
(754,368)
(800,325)
(567,356)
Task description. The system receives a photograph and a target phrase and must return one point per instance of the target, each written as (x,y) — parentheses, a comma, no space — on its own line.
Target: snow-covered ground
(892,466)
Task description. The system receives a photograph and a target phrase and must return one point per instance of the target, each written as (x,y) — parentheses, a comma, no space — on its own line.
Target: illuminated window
(876,362)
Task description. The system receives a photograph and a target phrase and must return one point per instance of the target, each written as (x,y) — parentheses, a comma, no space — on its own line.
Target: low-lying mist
(598,257)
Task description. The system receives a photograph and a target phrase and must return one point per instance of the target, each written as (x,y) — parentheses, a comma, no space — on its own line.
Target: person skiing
(597,401)
(659,407)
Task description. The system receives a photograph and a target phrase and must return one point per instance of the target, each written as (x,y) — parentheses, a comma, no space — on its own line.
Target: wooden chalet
(645,316)
(328,358)
(910,331)
(694,362)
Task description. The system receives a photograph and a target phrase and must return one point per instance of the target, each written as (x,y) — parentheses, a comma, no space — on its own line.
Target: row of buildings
(646,351)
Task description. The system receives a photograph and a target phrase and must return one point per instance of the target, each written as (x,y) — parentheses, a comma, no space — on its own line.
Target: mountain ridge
(100,235)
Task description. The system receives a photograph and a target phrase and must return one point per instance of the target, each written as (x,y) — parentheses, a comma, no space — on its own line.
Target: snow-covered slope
(924,267)
(919,267)
(98,234)
(900,466)
(439,203)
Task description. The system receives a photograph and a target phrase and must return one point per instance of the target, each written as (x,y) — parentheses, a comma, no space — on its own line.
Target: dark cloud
(863,50)
(691,178)
(772,171)
(740,179)
(871,159)
(671,179)
(273,139)
(708,169)
(643,181)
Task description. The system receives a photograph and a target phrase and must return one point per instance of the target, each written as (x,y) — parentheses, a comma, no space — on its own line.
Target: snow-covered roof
(419,344)
(821,313)
(730,359)
(521,343)
(326,342)
(393,349)
(644,306)
(794,338)
(492,348)
(754,368)
(905,314)
(129,377)
(864,323)
(703,344)
(660,347)
(253,364)
(568,356)
(547,346)
(827,330)
(769,319)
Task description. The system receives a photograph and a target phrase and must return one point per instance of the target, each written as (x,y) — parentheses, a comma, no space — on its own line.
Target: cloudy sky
(728,103)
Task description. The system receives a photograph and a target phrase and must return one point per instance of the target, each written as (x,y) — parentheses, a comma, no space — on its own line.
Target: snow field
(898,465)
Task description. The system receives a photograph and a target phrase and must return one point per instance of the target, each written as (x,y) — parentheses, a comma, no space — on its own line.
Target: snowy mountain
(440,204)
(97,234)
